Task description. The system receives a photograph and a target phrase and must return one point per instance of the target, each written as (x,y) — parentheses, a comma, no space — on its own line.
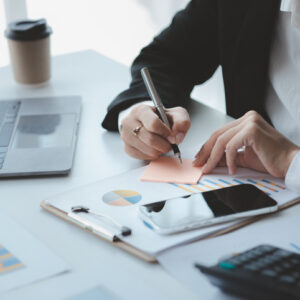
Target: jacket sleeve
(183,55)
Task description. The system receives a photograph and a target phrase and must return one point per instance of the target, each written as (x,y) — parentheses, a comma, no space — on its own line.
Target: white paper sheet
(38,261)
(142,237)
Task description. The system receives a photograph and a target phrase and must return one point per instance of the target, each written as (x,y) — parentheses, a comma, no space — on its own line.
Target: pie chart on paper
(122,198)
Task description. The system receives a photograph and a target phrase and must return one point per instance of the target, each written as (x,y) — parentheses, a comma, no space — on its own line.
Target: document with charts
(119,197)
(23,258)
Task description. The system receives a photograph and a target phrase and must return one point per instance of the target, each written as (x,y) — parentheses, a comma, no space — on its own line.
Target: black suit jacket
(235,34)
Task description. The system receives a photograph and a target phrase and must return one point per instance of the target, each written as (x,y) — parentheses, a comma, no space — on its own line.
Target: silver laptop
(38,135)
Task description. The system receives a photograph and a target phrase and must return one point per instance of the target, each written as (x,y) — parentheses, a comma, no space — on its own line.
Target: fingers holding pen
(149,142)
(154,137)
(152,122)
(137,141)
(180,123)
(155,133)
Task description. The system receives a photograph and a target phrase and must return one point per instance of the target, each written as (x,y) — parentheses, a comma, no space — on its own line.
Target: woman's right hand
(152,137)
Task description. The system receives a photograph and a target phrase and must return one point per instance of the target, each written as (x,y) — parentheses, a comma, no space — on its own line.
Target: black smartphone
(207,208)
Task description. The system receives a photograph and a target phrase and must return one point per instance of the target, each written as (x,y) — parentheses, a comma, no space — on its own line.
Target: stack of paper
(120,196)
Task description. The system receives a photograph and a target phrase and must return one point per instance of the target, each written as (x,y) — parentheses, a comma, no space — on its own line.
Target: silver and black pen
(158,105)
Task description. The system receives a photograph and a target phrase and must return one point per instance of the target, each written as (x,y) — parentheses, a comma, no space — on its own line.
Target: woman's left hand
(264,148)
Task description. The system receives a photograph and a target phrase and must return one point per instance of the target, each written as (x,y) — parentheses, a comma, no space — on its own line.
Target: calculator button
(287,278)
(275,258)
(236,261)
(282,253)
(250,256)
(295,261)
(266,260)
(267,248)
(286,265)
(258,251)
(296,275)
(258,264)
(227,265)
(277,269)
(243,258)
(263,261)
(269,272)
(251,267)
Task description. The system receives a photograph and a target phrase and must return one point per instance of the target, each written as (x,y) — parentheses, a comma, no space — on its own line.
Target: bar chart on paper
(8,262)
(273,188)
(23,258)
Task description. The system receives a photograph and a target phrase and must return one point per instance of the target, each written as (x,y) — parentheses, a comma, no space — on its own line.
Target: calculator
(263,272)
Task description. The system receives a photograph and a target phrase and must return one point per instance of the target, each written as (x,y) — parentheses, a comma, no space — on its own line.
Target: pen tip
(179,157)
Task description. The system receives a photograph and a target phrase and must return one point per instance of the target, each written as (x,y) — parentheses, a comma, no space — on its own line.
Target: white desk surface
(99,154)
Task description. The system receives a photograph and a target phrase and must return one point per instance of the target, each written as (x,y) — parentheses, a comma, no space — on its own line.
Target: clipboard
(145,256)
(117,243)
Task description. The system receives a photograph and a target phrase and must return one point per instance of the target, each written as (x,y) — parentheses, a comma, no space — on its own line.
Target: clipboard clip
(124,230)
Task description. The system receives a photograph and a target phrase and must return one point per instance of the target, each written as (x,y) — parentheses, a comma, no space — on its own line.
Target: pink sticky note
(169,169)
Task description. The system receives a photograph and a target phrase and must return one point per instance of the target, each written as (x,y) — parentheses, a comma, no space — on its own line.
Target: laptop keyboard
(8,115)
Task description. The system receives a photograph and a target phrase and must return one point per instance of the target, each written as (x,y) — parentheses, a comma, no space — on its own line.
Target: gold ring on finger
(137,129)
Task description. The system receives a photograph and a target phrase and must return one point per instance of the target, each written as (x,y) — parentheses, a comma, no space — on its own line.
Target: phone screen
(207,205)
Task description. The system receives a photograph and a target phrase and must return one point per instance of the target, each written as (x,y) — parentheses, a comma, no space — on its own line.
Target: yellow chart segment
(4,269)
(5,256)
(120,202)
(264,186)
(197,188)
(207,186)
(183,188)
(126,193)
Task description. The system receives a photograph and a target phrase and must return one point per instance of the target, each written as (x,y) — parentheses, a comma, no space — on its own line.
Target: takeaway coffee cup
(29,46)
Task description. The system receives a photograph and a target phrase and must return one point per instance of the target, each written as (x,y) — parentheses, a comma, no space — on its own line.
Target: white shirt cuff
(292,178)
(123,114)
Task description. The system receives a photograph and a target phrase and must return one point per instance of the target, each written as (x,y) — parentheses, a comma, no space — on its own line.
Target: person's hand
(146,137)
(263,148)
